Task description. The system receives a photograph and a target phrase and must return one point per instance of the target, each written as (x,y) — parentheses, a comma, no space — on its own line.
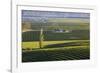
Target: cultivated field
(55,46)
(55,36)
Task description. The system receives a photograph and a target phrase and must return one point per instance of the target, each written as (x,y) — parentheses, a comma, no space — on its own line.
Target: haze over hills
(44,16)
(50,20)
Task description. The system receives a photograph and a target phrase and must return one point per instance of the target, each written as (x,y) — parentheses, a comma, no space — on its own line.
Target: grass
(35,44)
(56,54)
(52,36)
(56,46)
(56,51)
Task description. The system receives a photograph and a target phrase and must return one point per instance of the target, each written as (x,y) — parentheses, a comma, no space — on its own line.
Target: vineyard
(55,36)
(56,46)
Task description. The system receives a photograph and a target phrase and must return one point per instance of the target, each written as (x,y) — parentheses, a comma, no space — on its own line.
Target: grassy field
(35,44)
(56,54)
(55,36)
(49,35)
(56,51)
(74,45)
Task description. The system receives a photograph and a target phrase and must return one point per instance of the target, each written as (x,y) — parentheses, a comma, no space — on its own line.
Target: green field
(52,36)
(56,46)
(57,54)
(55,36)
(35,44)
(79,53)
(56,51)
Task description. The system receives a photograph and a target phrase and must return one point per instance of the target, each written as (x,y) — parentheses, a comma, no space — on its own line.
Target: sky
(42,16)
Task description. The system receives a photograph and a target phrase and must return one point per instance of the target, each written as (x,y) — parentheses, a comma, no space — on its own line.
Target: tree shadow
(67,44)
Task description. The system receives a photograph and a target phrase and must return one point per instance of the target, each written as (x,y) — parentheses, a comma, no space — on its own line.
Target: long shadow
(67,44)
(58,55)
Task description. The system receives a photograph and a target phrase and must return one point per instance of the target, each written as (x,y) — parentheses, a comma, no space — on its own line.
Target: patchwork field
(56,45)
(55,35)
(56,50)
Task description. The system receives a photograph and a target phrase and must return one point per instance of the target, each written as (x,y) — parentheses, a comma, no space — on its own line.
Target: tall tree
(41,38)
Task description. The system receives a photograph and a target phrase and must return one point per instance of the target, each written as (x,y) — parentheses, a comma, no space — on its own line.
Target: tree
(41,38)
